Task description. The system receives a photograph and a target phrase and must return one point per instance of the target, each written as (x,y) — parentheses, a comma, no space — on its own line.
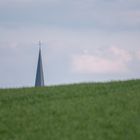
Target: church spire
(39,82)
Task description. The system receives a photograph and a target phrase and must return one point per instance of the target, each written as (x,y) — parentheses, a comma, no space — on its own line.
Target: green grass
(92,111)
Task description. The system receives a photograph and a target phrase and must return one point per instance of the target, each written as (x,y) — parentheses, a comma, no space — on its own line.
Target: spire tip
(39,44)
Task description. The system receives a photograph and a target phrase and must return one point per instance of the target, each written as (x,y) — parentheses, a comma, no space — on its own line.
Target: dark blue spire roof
(39,73)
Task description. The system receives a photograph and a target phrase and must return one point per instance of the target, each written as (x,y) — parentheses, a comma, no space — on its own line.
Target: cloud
(20,2)
(120,53)
(101,14)
(115,62)
(137,54)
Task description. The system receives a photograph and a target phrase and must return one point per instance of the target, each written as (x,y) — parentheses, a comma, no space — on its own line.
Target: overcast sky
(82,40)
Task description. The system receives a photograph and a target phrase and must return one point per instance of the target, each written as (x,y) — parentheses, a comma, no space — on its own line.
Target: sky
(82,41)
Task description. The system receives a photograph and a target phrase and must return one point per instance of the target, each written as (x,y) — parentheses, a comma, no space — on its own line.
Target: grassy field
(91,111)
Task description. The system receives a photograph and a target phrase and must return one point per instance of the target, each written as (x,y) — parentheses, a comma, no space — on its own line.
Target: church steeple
(39,82)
